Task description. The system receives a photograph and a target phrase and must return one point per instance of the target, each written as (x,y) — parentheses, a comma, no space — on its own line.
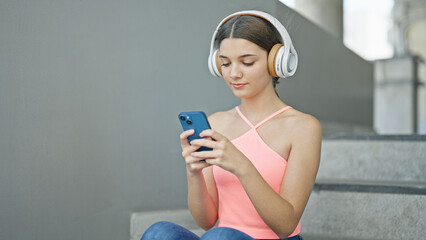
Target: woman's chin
(241,94)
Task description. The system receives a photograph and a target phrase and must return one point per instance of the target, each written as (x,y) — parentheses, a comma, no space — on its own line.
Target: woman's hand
(194,165)
(223,154)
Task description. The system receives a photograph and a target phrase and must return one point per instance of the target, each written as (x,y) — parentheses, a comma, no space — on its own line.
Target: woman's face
(244,67)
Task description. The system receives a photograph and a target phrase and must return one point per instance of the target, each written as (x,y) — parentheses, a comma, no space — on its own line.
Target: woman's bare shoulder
(302,123)
(217,120)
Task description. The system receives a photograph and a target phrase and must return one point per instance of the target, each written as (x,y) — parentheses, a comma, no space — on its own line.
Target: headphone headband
(289,54)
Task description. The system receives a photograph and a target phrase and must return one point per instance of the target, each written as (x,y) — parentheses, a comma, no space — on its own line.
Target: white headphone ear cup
(286,62)
(291,63)
(213,64)
(272,56)
(281,62)
(218,64)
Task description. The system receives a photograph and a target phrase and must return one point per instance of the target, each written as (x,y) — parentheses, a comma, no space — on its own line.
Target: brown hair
(252,28)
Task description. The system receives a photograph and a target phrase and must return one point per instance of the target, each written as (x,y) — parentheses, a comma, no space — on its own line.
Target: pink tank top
(235,208)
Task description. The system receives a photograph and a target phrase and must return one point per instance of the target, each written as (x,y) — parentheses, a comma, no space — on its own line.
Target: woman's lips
(238,85)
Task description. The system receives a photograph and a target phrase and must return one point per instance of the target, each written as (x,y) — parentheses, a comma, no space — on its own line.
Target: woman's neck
(261,106)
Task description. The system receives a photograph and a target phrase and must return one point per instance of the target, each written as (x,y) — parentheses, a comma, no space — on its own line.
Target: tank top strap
(244,117)
(271,116)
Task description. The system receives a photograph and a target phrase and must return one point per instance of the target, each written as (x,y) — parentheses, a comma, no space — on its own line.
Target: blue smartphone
(196,120)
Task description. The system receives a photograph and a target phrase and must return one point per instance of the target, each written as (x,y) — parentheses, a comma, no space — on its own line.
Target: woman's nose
(235,72)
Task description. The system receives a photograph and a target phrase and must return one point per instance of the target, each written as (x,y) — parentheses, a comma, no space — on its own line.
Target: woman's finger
(192,159)
(198,166)
(206,154)
(187,150)
(184,137)
(205,143)
(213,134)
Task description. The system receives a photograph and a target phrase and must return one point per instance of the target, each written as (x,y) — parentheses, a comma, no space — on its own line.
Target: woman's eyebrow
(248,55)
(242,56)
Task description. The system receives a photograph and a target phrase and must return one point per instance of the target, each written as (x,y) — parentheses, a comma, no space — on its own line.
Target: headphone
(282,58)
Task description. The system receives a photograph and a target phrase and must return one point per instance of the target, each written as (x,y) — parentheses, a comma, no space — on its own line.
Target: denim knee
(164,230)
(221,233)
(155,230)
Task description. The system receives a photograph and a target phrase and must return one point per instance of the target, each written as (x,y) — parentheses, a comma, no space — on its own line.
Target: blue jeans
(171,231)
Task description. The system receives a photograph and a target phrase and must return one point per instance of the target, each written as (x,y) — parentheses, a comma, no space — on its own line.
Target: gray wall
(89,97)
(331,83)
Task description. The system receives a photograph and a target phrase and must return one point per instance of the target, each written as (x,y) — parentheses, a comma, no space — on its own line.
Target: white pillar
(328,14)
(409,37)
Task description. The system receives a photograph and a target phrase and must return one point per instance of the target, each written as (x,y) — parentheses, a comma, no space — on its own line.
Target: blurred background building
(390,34)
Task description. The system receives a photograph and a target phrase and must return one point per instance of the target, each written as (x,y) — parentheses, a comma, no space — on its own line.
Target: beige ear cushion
(271,59)
(218,64)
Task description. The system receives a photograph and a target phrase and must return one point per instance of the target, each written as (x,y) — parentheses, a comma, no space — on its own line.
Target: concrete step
(307,236)
(392,187)
(369,187)
(361,210)
(384,158)
(345,128)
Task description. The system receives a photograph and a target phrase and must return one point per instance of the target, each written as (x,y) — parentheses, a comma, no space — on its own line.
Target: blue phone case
(196,120)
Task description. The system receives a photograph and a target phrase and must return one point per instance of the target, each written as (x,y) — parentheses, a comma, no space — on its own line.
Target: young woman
(257,179)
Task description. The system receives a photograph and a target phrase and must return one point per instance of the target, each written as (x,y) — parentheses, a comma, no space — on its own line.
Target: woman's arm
(202,198)
(202,193)
(282,212)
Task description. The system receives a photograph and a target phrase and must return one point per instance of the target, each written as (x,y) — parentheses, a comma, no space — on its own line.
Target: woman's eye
(225,64)
(248,64)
